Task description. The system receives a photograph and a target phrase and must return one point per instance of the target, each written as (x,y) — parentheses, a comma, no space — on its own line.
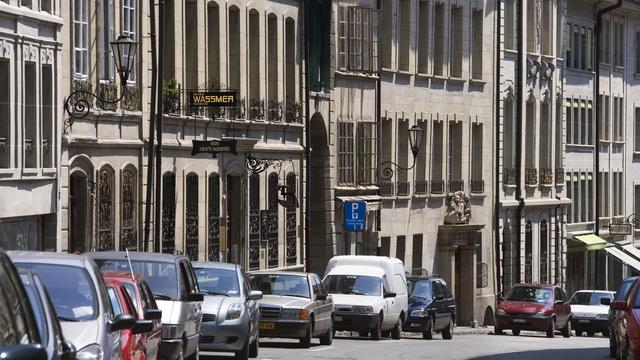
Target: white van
(369,293)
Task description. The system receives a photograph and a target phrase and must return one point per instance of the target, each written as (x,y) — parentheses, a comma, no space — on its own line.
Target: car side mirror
(122,322)
(605,301)
(24,352)
(255,295)
(68,351)
(152,314)
(142,326)
(195,296)
(619,305)
(321,297)
(558,302)
(389,295)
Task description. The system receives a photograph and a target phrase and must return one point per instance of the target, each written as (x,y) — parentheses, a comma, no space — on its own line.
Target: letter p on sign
(354,211)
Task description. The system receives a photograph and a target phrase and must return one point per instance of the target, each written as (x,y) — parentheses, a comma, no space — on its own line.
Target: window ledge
(387,70)
(509,186)
(477,81)
(559,185)
(581,146)
(423,76)
(437,196)
(405,72)
(420,196)
(10,172)
(618,142)
(581,72)
(511,51)
(30,172)
(546,186)
(618,68)
(355,74)
(636,152)
(49,172)
(531,186)
(440,77)
(403,197)
(605,141)
(548,57)
(456,79)
(478,195)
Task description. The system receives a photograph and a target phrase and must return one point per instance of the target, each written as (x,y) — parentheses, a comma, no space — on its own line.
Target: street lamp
(124,52)
(415,141)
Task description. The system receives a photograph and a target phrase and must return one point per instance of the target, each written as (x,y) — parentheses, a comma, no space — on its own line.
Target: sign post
(355,216)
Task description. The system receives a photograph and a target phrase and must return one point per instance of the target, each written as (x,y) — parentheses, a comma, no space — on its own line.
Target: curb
(456,331)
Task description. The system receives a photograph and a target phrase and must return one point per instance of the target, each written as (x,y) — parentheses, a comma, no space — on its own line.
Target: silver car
(176,291)
(79,296)
(294,305)
(230,312)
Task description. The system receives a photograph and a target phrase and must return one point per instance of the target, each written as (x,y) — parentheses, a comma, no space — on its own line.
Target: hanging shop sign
(212,98)
(214,147)
(620,229)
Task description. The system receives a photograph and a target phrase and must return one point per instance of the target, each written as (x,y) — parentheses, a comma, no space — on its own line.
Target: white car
(590,311)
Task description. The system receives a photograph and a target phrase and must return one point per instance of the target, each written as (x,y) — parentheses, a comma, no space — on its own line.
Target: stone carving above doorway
(459,208)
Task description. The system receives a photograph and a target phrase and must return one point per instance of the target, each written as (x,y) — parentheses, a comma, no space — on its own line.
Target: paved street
(481,347)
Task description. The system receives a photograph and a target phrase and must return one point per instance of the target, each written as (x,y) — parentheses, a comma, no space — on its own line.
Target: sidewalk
(458,330)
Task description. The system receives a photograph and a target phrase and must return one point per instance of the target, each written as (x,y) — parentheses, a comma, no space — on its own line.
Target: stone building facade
(213,208)
(30,123)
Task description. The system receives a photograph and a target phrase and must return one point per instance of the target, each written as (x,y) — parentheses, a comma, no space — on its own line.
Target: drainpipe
(520,68)
(378,113)
(159,115)
(496,210)
(307,153)
(599,15)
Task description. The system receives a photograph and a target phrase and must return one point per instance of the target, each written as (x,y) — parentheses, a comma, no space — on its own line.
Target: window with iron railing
(477,183)
(437,157)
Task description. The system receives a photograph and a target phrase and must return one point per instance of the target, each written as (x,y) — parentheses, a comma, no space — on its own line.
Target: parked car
(133,342)
(535,307)
(144,308)
(81,301)
(49,329)
(294,305)
(627,326)
(589,314)
(432,307)
(230,312)
(175,289)
(621,294)
(20,338)
(370,293)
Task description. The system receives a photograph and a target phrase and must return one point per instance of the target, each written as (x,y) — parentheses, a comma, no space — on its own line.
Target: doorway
(79,212)
(235,220)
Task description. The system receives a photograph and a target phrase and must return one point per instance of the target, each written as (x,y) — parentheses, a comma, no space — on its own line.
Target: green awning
(591,241)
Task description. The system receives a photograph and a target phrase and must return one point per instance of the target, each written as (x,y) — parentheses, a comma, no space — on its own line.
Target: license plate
(415,324)
(583,321)
(521,321)
(338,318)
(267,326)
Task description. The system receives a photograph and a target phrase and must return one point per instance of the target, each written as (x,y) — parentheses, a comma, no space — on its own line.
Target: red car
(134,297)
(534,307)
(626,328)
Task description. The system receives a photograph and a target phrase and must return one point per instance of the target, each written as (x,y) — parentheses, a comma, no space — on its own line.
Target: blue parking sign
(355,215)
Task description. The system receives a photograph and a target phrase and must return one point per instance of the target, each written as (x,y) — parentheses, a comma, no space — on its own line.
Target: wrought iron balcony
(456,185)
(131,100)
(404,188)
(109,92)
(477,186)
(78,87)
(294,112)
(239,111)
(171,97)
(531,176)
(559,176)
(215,113)
(387,189)
(546,176)
(437,186)
(275,111)
(509,176)
(256,109)
(421,187)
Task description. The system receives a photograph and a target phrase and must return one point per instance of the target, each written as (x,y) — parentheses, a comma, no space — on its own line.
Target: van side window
(11,333)
(438,289)
(447,291)
(185,287)
(399,285)
(385,285)
(245,283)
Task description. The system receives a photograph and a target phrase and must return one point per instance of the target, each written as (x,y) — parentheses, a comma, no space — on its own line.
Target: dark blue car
(432,307)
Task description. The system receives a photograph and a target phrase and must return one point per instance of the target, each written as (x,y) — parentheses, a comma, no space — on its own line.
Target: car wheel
(515,332)
(498,331)
(578,332)
(613,351)
(243,354)
(447,333)
(376,333)
(551,329)
(428,333)
(327,338)
(254,348)
(305,342)
(590,333)
(566,330)
(396,332)
(605,332)
(363,333)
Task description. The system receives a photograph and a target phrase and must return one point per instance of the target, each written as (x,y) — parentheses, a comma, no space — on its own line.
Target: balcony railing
(239,111)
(109,92)
(256,109)
(604,222)
(404,188)
(559,176)
(546,176)
(131,100)
(437,186)
(294,111)
(171,97)
(456,185)
(531,176)
(477,186)
(509,176)
(421,187)
(275,111)
(387,189)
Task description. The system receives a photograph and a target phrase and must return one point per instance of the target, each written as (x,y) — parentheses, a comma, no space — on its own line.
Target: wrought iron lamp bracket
(77,106)
(260,165)
(386,168)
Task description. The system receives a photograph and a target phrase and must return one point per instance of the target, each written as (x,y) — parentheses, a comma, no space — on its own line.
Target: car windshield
(353,284)
(280,284)
(419,288)
(36,305)
(621,294)
(71,290)
(162,277)
(589,297)
(218,281)
(530,294)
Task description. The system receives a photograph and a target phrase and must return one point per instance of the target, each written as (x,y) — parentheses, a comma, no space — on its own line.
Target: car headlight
(90,352)
(422,312)
(172,331)
(294,314)
(363,309)
(540,315)
(602,316)
(501,312)
(235,311)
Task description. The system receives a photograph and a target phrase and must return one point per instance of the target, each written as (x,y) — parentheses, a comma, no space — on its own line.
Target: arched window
(530,142)
(81,39)
(528,252)
(169,39)
(272,227)
(168,213)
(214,218)
(105,209)
(254,222)
(290,64)
(234,48)
(508,148)
(272,65)
(544,252)
(213,42)
(191,217)
(128,203)
(255,98)
(292,222)
(192,39)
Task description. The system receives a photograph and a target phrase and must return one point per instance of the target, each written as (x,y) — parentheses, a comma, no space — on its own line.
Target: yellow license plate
(267,326)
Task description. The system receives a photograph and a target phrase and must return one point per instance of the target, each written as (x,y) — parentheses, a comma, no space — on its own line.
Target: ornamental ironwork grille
(168,213)
(214,218)
(128,233)
(544,252)
(254,222)
(105,210)
(191,217)
(272,223)
(292,223)
(528,253)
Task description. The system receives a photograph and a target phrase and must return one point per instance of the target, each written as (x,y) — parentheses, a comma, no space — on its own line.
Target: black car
(20,336)
(621,294)
(432,307)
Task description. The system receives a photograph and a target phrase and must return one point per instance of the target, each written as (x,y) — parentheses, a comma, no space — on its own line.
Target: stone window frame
(129,206)
(477,40)
(106,34)
(105,209)
(130,29)
(456,41)
(423,31)
(80,40)
(346,151)
(356,31)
